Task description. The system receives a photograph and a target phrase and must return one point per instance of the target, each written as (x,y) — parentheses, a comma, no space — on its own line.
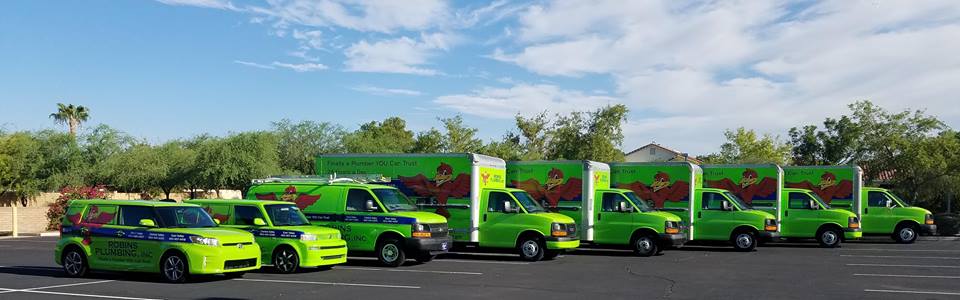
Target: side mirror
(813,205)
(624,207)
(215,220)
(888,203)
(259,222)
(507,207)
(147,223)
(725,205)
(371,206)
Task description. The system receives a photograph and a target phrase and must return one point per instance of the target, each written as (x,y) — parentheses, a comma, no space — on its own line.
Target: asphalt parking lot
(860,270)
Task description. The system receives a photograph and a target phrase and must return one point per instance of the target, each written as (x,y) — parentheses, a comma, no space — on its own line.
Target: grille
(332,257)
(240,263)
(572,230)
(438,230)
(235,244)
(332,247)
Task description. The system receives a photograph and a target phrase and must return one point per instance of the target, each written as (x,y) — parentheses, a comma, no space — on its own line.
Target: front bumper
(435,245)
(852,233)
(928,229)
(324,253)
(223,259)
(674,239)
(767,236)
(562,243)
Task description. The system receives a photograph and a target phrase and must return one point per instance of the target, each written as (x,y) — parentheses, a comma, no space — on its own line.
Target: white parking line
(909,276)
(895,256)
(37,290)
(482,261)
(407,270)
(900,250)
(904,266)
(54,286)
(914,292)
(332,283)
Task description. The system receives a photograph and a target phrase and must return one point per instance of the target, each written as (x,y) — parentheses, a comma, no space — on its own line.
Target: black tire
(425,257)
(551,254)
(74,262)
(531,248)
(390,252)
(906,233)
(644,245)
(285,260)
(744,241)
(174,268)
(829,237)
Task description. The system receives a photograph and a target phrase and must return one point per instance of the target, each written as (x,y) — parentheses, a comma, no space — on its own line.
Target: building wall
(644,155)
(32,219)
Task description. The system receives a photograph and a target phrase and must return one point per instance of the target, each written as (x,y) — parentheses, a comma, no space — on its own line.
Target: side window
(100,214)
(496,199)
(220,212)
(799,201)
(131,215)
(357,199)
(713,201)
(611,201)
(244,215)
(876,199)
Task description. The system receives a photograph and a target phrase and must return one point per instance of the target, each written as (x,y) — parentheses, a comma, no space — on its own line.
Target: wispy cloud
(379,91)
(253,64)
(302,67)
(218,4)
(401,55)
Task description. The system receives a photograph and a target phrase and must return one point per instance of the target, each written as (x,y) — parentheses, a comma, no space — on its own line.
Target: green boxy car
(173,239)
(371,218)
(287,239)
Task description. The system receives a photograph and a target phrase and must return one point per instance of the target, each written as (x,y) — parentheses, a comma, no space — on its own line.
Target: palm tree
(72,115)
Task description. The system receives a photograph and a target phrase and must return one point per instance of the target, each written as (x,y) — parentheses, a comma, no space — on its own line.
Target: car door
(356,228)
(243,216)
(877,217)
(713,223)
(799,218)
(613,226)
(496,225)
(96,227)
(137,251)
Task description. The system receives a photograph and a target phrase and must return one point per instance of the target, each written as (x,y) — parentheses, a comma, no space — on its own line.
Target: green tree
(180,165)
(299,143)
(533,136)
(595,135)
(430,141)
(459,137)
(20,163)
(71,115)
(234,161)
(507,148)
(98,146)
(746,147)
(138,169)
(389,136)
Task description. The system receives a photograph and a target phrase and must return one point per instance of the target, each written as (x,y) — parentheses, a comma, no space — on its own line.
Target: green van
(173,239)
(286,238)
(371,218)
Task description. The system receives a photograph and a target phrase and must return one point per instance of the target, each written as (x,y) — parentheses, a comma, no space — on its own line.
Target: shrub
(57,209)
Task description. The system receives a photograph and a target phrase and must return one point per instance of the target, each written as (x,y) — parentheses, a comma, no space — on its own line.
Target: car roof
(346,184)
(152,203)
(237,201)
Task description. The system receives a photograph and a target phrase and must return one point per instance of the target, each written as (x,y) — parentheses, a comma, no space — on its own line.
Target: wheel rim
(285,260)
(907,233)
(744,240)
(644,245)
(390,253)
(173,268)
(829,237)
(530,248)
(73,263)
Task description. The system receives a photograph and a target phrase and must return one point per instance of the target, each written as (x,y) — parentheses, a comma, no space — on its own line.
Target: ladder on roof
(326,178)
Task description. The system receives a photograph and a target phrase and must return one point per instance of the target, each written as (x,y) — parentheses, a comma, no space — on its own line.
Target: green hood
(919,212)
(665,215)
(422,216)
(759,213)
(223,234)
(554,217)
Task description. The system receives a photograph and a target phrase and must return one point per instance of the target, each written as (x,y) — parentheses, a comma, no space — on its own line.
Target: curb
(50,233)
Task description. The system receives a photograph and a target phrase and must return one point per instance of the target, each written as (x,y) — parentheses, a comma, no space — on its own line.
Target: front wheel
(390,253)
(906,234)
(173,268)
(645,246)
(829,238)
(531,249)
(75,263)
(286,260)
(744,241)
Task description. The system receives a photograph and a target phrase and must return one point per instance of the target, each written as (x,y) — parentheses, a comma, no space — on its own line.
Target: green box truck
(712,214)
(800,213)
(880,211)
(470,190)
(607,217)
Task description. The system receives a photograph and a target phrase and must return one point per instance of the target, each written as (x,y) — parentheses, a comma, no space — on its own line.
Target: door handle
(786,213)
(484,217)
(598,216)
(699,214)
(866,210)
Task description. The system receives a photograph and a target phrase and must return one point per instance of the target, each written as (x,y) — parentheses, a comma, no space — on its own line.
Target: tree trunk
(73,127)
(166,192)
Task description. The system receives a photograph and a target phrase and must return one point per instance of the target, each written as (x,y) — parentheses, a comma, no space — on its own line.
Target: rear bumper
(435,245)
(673,240)
(766,236)
(928,229)
(562,243)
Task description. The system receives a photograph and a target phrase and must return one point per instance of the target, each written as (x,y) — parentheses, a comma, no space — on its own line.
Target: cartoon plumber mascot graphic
(554,190)
(443,186)
(290,195)
(750,187)
(660,190)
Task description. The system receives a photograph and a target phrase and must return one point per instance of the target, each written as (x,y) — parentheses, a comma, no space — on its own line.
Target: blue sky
(686,69)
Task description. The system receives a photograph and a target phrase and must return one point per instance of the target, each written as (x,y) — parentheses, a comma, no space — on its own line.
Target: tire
(645,245)
(75,262)
(425,257)
(285,260)
(906,234)
(829,237)
(174,268)
(551,254)
(744,241)
(390,252)
(531,248)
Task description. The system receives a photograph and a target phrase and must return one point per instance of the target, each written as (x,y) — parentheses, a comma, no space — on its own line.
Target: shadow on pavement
(102,275)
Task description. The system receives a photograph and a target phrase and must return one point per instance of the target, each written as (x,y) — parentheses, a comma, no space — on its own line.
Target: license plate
(443,246)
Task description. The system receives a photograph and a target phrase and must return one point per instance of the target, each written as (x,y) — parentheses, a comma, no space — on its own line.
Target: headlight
(308,237)
(671,227)
(421,230)
(205,241)
(770,225)
(853,222)
(928,219)
(557,229)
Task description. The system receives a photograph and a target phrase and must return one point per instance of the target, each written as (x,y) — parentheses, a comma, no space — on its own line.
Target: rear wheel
(286,260)
(173,268)
(531,248)
(75,263)
(390,252)
(906,234)
(829,237)
(645,245)
(744,241)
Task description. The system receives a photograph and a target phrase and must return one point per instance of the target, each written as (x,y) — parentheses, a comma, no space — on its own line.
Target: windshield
(819,200)
(638,202)
(184,217)
(898,200)
(733,197)
(394,200)
(527,202)
(286,215)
